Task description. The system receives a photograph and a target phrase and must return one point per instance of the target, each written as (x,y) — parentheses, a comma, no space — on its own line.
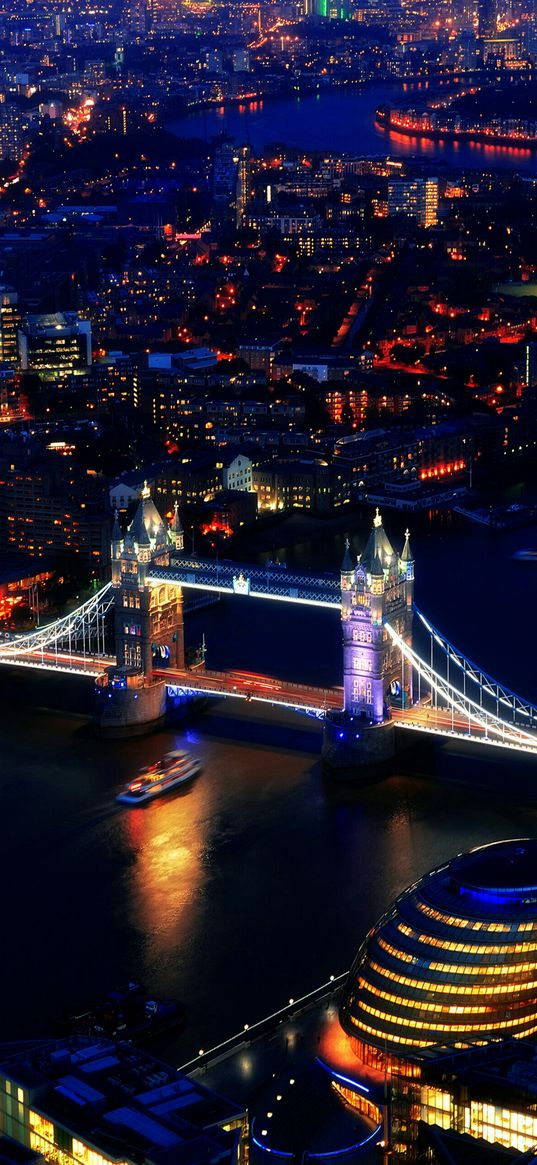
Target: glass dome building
(452,963)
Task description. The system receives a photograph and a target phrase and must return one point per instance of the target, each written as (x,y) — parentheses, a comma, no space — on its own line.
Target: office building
(55,345)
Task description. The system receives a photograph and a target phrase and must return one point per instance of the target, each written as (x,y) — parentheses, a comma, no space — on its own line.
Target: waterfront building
(84,1101)
(441,997)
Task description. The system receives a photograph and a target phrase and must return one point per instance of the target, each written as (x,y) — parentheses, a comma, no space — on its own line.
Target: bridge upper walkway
(260,582)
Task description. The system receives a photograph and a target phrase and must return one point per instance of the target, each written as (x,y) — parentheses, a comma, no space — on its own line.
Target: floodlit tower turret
(379,589)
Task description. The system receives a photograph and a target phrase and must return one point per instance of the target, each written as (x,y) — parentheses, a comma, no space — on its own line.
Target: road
(251,686)
(59,661)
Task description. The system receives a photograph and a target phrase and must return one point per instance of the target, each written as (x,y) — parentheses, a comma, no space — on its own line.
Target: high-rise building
(14,130)
(9,325)
(416,198)
(530,364)
(225,181)
(243,184)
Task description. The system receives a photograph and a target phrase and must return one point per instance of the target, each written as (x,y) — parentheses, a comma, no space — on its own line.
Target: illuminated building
(442,997)
(55,345)
(138,15)
(416,198)
(259,355)
(530,364)
(347,406)
(9,324)
(237,474)
(243,184)
(43,512)
(327,9)
(92,1102)
(306,483)
(14,130)
(192,479)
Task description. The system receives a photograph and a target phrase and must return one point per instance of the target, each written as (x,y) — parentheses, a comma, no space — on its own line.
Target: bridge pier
(351,746)
(123,709)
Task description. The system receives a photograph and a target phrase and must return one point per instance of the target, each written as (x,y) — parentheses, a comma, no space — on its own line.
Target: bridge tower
(148,620)
(379,588)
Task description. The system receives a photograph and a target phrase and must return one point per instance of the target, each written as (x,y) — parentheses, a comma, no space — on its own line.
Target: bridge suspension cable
(484,686)
(79,635)
(465,717)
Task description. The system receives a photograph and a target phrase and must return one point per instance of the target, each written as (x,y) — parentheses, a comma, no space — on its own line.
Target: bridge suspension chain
(80,630)
(489,724)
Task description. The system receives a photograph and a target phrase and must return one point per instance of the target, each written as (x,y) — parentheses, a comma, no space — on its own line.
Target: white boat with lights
(172,771)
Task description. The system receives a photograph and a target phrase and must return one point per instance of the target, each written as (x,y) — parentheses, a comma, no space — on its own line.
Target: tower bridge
(130,636)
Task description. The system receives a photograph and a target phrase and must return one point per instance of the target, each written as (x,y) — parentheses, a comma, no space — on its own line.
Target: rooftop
(125,1103)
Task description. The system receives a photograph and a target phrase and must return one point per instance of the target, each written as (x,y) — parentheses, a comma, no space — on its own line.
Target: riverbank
(343,122)
(396,121)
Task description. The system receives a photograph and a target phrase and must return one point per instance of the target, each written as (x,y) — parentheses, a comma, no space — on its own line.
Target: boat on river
(174,770)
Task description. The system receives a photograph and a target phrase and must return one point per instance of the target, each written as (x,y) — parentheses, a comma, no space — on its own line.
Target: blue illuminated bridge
(453,696)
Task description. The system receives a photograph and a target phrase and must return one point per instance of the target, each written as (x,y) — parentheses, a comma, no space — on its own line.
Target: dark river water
(344,122)
(258,882)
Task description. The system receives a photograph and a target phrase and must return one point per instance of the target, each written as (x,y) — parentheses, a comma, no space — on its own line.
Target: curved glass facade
(454,960)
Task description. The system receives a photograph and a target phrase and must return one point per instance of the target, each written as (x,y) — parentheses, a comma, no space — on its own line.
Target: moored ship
(127,1013)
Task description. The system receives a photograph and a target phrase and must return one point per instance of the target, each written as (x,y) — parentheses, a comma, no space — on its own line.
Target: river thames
(344,122)
(261,879)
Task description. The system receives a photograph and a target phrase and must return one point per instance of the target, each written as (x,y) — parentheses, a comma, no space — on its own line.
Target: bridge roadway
(250,686)
(82,665)
(260,582)
(443,722)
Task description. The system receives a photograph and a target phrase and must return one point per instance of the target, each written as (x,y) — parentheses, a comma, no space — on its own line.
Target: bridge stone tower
(376,678)
(149,624)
